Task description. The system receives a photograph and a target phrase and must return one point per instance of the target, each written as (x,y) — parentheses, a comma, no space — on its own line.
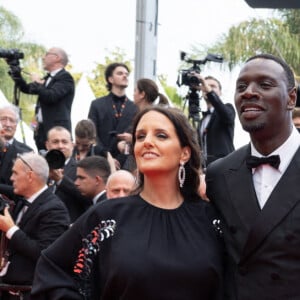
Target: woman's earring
(181,174)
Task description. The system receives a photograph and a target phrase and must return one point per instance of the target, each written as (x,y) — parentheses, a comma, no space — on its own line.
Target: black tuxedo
(263,245)
(7,158)
(103,115)
(44,221)
(101,198)
(55,101)
(21,147)
(69,193)
(219,131)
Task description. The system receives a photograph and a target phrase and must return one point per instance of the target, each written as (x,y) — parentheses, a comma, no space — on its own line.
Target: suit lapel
(281,201)
(53,79)
(43,197)
(211,120)
(246,208)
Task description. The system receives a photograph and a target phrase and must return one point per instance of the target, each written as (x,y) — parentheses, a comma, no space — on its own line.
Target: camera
(3,203)
(12,56)
(186,77)
(55,158)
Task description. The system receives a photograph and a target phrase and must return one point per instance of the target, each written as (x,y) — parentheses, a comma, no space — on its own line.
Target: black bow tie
(205,113)
(47,76)
(24,202)
(254,162)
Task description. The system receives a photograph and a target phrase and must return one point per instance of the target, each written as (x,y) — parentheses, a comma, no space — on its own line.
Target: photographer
(216,128)
(31,227)
(55,94)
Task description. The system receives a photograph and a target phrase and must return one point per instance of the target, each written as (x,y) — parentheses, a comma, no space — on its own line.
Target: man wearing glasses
(55,94)
(9,119)
(32,226)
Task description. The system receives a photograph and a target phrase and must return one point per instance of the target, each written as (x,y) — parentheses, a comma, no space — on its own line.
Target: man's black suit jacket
(7,159)
(263,259)
(44,221)
(55,100)
(220,129)
(69,193)
(103,115)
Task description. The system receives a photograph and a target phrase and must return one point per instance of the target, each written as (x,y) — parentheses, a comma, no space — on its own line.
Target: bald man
(120,184)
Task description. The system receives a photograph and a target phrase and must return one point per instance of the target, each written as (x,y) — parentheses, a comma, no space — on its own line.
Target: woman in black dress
(157,244)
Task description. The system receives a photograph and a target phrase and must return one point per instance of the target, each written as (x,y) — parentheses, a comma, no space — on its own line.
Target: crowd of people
(140,203)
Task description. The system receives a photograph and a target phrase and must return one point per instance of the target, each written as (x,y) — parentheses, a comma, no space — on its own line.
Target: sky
(89,29)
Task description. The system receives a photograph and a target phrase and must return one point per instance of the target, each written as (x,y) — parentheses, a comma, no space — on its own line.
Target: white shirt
(205,121)
(97,196)
(265,177)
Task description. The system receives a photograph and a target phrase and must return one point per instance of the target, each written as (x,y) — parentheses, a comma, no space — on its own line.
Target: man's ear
(292,99)
(110,79)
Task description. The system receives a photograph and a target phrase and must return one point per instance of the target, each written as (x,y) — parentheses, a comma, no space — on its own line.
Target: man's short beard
(253,127)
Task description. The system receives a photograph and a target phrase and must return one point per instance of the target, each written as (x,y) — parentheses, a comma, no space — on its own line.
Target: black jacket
(220,129)
(44,221)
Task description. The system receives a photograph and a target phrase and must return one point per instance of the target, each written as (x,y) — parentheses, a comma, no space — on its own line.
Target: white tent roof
(82,101)
(23,133)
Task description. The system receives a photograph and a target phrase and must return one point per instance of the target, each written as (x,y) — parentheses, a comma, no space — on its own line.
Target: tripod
(193,99)
(15,71)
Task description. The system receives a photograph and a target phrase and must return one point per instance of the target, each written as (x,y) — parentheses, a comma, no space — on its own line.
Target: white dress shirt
(265,177)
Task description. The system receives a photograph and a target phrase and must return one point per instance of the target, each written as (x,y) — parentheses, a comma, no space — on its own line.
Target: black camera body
(12,56)
(186,77)
(55,158)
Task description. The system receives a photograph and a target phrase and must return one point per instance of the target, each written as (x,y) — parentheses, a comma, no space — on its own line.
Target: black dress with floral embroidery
(129,249)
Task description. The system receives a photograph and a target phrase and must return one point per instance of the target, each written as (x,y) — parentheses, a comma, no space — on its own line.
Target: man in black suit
(256,188)
(9,119)
(113,114)
(31,227)
(59,138)
(216,128)
(91,178)
(55,94)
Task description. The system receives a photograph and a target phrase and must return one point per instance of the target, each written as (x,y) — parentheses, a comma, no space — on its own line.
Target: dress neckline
(161,208)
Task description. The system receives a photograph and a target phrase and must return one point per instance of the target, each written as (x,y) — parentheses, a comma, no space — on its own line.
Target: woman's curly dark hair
(187,137)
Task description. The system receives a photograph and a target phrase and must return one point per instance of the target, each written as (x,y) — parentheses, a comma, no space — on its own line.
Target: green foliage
(170,91)
(97,80)
(10,28)
(292,18)
(11,35)
(276,36)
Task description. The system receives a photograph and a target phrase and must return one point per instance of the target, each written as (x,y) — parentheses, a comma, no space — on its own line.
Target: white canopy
(82,101)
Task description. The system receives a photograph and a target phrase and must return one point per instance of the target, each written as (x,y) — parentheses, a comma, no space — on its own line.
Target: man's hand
(203,86)
(6,221)
(56,174)
(36,78)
